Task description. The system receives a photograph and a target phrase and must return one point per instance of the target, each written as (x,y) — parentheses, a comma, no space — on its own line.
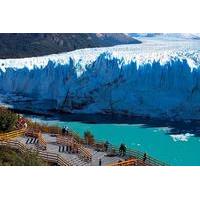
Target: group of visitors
(65,130)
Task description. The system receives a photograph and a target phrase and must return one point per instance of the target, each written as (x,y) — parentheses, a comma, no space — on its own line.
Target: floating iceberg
(181,137)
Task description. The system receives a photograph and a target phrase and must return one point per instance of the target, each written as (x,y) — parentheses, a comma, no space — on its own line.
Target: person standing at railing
(122,150)
(144,157)
(66,129)
(100,162)
(63,131)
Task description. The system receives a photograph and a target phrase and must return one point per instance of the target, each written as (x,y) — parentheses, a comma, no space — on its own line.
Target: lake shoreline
(177,127)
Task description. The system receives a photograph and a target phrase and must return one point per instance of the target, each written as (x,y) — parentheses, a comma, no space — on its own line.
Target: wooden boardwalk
(75,158)
(65,150)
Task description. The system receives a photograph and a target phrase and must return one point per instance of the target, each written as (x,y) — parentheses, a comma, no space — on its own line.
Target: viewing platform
(64,150)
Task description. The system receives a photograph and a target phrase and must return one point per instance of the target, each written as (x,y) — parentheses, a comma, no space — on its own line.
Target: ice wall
(132,79)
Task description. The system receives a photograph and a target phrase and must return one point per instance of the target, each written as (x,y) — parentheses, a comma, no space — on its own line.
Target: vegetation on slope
(10,157)
(8,120)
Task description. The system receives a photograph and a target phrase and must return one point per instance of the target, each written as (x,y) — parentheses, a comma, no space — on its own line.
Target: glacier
(152,79)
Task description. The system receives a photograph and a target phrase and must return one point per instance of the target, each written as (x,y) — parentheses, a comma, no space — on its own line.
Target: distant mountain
(166,35)
(19,45)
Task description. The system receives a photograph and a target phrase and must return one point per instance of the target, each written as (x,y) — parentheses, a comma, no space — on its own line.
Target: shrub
(44,128)
(89,137)
(8,120)
(11,157)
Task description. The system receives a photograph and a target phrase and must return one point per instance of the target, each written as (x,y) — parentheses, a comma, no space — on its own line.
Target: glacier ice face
(155,78)
(167,36)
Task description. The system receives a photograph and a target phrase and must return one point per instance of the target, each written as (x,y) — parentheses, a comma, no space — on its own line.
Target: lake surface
(173,146)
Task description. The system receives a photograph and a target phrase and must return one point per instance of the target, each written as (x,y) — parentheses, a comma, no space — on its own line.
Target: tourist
(122,150)
(63,130)
(144,157)
(70,149)
(100,161)
(66,129)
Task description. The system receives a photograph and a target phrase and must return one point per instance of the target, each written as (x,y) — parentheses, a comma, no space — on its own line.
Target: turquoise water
(182,149)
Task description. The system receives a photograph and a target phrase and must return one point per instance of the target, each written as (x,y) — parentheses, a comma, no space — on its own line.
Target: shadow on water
(175,127)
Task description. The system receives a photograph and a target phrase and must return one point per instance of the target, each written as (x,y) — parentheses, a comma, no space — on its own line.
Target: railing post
(57,159)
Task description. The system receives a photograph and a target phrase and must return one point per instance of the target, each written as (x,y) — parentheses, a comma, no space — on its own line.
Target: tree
(8,120)
(89,137)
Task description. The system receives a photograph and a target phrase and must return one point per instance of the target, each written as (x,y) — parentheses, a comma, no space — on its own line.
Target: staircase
(79,162)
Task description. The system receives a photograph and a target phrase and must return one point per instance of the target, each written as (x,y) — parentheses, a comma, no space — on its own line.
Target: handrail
(138,154)
(133,153)
(70,141)
(82,150)
(38,134)
(54,157)
(65,140)
(85,153)
(42,141)
(130,162)
(47,156)
(12,134)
